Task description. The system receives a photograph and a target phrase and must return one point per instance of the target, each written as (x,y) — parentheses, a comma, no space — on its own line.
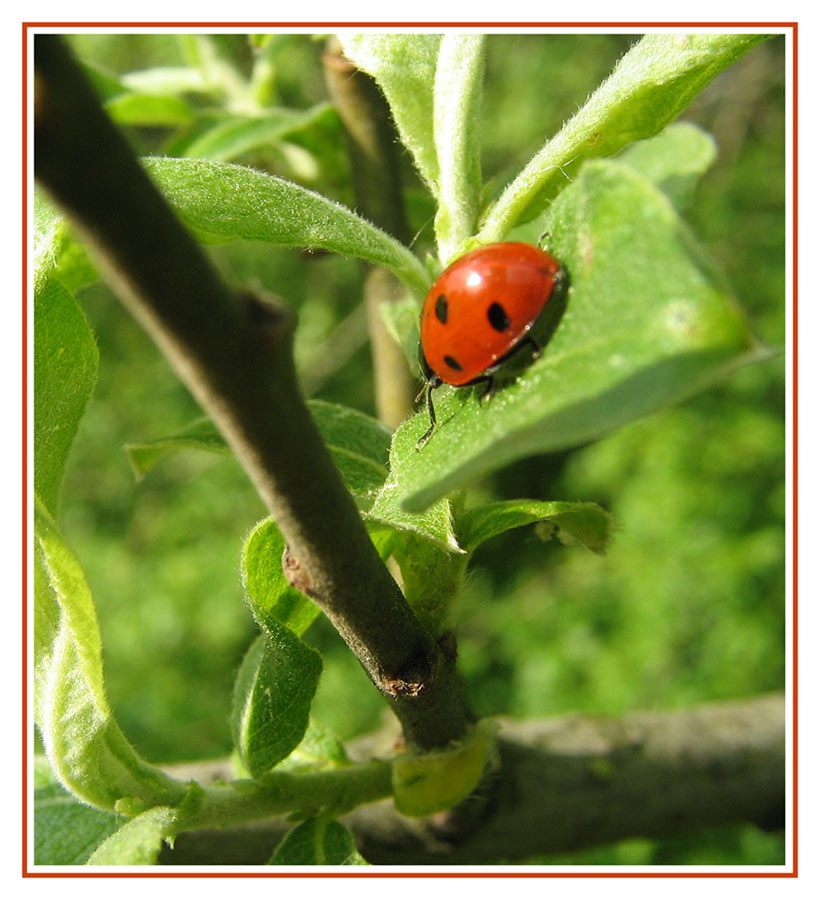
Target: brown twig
(374,161)
(234,354)
(565,784)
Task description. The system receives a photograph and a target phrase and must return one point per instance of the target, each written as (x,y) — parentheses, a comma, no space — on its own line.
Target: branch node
(413,679)
(296,575)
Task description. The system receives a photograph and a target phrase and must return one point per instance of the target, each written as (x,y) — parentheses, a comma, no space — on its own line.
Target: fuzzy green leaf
(648,322)
(318,842)
(66,832)
(223,202)
(65,371)
(457,103)
(138,842)
(651,85)
(86,749)
(272,697)
(586,523)
(404,65)
(269,594)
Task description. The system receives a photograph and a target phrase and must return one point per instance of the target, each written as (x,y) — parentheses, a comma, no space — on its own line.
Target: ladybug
(480,311)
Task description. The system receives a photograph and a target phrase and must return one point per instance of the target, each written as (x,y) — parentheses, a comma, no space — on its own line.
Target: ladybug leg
(488,393)
(433,382)
(537,349)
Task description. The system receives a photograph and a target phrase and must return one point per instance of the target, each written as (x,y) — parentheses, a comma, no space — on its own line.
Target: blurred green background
(687,607)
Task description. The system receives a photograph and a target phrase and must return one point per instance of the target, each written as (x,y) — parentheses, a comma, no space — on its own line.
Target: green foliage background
(686,607)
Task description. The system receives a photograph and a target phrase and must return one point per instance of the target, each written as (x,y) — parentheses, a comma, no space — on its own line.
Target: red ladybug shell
(480,307)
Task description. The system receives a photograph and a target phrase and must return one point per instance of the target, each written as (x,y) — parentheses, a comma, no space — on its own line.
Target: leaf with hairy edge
(85,747)
(586,523)
(272,697)
(225,202)
(456,113)
(268,592)
(647,321)
(404,65)
(138,842)
(651,85)
(318,842)
(65,372)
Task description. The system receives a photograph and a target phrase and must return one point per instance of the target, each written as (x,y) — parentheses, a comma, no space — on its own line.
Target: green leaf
(138,842)
(318,749)
(674,160)
(66,832)
(431,578)
(200,434)
(85,748)
(402,319)
(47,238)
(167,80)
(149,110)
(647,323)
(586,523)
(65,371)
(427,783)
(404,65)
(223,202)
(272,697)
(457,102)
(434,523)
(654,82)
(358,444)
(231,137)
(269,594)
(318,842)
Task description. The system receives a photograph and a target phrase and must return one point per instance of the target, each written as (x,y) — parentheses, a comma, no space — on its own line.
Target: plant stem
(372,146)
(234,354)
(283,792)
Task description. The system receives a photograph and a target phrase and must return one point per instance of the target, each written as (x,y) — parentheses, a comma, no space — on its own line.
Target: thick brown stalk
(565,784)
(234,354)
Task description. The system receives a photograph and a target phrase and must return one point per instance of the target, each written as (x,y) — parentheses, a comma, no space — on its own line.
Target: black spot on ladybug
(441,309)
(497,317)
(452,363)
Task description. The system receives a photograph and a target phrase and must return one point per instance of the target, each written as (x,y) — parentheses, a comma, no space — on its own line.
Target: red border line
(26,27)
